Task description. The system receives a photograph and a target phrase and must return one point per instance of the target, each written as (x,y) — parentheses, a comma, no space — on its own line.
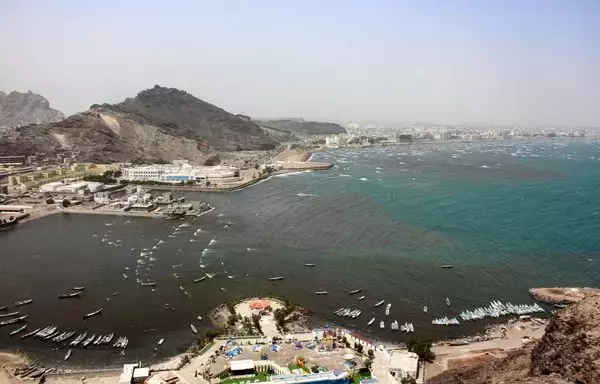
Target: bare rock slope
(303,128)
(18,109)
(158,125)
(569,352)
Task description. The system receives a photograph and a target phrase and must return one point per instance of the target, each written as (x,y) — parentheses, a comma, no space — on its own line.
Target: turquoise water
(508,215)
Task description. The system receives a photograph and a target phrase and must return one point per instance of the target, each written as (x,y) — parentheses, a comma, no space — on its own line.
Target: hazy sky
(529,62)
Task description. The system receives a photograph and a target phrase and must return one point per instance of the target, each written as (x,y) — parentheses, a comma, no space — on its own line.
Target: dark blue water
(508,215)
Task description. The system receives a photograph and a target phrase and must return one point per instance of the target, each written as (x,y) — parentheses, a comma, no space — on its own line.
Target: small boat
(194,330)
(321,293)
(13,321)
(447,301)
(361,298)
(379,303)
(78,288)
(93,313)
(31,333)
(425,309)
(18,330)
(68,354)
(371,321)
(148,284)
(69,295)
(276,278)
(87,341)
(309,265)
(10,314)
(24,302)
(381,324)
(447,266)
(3,308)
(200,279)
(355,291)
(199,318)
(161,341)
(561,306)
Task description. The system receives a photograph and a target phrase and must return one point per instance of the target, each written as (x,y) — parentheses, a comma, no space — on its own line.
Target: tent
(260,304)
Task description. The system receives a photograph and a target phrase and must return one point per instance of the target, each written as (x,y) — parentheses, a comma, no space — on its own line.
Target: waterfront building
(403,364)
(336,141)
(178,172)
(12,160)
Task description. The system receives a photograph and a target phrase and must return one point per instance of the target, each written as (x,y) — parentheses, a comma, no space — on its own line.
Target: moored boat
(87,341)
(309,265)
(69,295)
(97,312)
(19,330)
(276,278)
(148,284)
(3,308)
(194,330)
(447,301)
(447,266)
(361,298)
(200,279)
(78,288)
(30,333)
(24,302)
(68,354)
(379,303)
(355,291)
(13,321)
(371,321)
(10,314)
(321,293)
(161,341)
(381,324)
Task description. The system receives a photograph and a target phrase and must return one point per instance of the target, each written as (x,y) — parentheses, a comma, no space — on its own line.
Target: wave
(363,179)
(302,194)
(344,175)
(293,173)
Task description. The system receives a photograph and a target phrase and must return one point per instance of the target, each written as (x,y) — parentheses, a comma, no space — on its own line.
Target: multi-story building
(176,173)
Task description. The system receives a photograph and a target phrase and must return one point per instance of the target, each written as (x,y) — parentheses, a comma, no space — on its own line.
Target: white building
(63,187)
(336,141)
(403,364)
(176,173)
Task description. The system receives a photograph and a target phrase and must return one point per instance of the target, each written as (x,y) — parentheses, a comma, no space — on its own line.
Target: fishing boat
(18,330)
(87,341)
(13,321)
(10,314)
(425,309)
(24,302)
(447,266)
(161,341)
(30,333)
(148,284)
(361,298)
(3,308)
(381,324)
(69,295)
(200,279)
(93,313)
(447,301)
(309,265)
(371,321)
(68,354)
(78,288)
(321,293)
(355,291)
(276,278)
(194,330)
(379,303)
(210,275)
(78,340)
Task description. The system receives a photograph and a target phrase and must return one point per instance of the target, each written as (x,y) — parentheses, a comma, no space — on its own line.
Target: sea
(508,215)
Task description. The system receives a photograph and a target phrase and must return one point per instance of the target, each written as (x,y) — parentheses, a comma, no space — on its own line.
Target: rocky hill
(18,109)
(158,125)
(303,128)
(569,352)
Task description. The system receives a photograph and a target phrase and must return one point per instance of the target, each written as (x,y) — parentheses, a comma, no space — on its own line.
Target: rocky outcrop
(569,352)
(158,125)
(303,128)
(561,295)
(19,109)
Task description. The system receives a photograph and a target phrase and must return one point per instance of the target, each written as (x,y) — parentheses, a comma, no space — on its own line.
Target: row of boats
(497,309)
(445,321)
(406,327)
(348,312)
(52,333)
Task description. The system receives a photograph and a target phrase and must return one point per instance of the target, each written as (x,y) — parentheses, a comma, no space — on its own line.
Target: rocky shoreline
(561,295)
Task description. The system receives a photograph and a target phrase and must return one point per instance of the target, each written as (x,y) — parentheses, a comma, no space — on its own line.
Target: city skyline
(497,63)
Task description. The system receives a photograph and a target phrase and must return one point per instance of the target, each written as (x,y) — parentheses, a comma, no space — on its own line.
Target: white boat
(276,278)
(21,329)
(361,298)
(447,301)
(161,341)
(321,293)
(381,324)
(68,354)
(194,330)
(200,279)
(388,306)
(371,321)
(387,312)
(425,309)
(379,303)
(355,291)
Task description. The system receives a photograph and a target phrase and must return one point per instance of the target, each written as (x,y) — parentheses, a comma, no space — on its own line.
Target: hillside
(569,352)
(18,109)
(303,128)
(158,125)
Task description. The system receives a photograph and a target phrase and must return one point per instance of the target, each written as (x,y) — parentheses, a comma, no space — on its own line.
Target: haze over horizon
(503,62)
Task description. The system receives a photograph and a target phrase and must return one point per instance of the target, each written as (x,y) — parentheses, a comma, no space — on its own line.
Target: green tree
(371,354)
(368,363)
(359,348)
(422,347)
(66,203)
(408,380)
(190,182)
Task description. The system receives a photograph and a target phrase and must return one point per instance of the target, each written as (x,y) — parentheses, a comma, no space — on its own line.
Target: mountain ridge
(19,109)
